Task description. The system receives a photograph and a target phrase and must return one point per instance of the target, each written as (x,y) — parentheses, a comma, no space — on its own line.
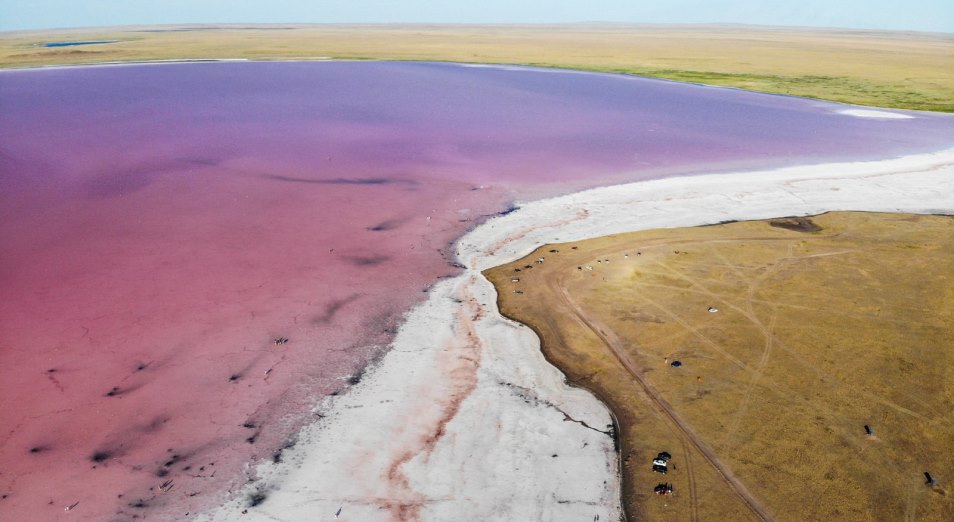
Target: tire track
(750,315)
(691,475)
(753,382)
(615,347)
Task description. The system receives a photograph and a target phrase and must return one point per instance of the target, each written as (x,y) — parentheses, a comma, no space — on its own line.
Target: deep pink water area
(162,225)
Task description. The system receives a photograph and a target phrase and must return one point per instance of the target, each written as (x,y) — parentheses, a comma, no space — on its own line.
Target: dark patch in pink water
(162,226)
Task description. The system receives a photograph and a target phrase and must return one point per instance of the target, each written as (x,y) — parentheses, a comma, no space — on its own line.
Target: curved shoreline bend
(464,420)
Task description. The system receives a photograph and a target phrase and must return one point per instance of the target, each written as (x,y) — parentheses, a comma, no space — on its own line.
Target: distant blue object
(70,44)
(676,364)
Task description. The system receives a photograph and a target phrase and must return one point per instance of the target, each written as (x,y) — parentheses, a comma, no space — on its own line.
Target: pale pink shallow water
(161,225)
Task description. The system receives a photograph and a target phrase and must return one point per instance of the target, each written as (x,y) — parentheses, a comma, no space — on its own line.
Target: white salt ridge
(461,419)
(881,115)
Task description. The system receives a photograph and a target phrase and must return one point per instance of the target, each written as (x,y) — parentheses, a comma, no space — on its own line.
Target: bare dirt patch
(798,224)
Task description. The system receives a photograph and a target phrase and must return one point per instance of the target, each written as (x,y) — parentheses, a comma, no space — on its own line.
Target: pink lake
(162,225)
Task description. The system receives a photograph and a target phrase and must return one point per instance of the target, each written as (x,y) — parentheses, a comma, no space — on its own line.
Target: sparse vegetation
(833,88)
(815,361)
(899,70)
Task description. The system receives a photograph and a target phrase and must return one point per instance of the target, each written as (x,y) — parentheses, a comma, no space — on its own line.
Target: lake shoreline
(435,478)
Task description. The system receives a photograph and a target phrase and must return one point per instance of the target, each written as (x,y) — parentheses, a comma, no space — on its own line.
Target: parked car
(661,462)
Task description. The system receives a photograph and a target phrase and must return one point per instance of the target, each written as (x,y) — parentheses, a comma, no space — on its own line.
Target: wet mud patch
(256,499)
(511,208)
(344,181)
(389,224)
(116,391)
(369,261)
(201,161)
(278,454)
(101,456)
(332,309)
(356,377)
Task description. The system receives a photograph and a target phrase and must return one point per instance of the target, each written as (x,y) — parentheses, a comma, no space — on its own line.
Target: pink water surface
(162,225)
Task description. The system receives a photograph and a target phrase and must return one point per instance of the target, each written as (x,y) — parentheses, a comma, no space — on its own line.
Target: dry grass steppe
(817,334)
(887,69)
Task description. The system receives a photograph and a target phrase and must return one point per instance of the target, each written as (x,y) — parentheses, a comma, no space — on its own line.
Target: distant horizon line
(296,25)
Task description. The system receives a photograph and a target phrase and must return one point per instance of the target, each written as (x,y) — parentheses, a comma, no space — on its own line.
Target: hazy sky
(921,15)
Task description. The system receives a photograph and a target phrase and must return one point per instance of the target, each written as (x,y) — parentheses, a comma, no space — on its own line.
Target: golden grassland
(887,69)
(816,334)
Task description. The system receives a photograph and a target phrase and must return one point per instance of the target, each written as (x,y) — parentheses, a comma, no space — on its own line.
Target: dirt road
(615,346)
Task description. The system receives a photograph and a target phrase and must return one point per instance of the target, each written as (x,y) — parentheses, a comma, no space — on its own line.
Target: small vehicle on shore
(661,462)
